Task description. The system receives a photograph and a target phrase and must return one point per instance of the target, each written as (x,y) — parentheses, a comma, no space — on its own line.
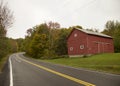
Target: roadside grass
(2,62)
(109,62)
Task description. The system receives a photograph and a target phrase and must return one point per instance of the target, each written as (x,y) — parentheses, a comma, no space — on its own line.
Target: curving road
(29,72)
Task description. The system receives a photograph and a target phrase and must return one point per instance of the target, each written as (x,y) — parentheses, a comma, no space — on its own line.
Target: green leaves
(46,40)
(113,29)
(38,41)
(7,46)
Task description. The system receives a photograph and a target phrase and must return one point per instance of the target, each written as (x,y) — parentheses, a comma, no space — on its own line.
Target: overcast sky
(87,13)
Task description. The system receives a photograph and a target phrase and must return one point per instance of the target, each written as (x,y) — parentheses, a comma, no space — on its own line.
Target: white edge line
(11,75)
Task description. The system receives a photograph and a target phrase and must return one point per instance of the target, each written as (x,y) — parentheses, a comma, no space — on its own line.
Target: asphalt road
(29,72)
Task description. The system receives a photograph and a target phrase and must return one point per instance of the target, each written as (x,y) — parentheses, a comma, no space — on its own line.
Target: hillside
(102,62)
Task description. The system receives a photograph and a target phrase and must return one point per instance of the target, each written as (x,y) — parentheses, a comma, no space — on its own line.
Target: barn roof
(93,33)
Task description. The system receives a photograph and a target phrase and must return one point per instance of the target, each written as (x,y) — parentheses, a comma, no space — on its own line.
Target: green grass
(102,62)
(2,62)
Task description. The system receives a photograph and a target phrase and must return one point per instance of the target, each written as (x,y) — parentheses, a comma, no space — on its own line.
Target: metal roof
(93,33)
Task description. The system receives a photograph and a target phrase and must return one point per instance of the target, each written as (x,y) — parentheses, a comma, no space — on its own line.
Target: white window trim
(71,48)
(82,47)
(75,35)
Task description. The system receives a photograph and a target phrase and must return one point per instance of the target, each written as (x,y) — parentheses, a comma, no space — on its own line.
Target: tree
(93,30)
(6,21)
(6,18)
(7,45)
(61,42)
(20,44)
(38,44)
(53,34)
(53,25)
(112,28)
(4,47)
(29,32)
(77,26)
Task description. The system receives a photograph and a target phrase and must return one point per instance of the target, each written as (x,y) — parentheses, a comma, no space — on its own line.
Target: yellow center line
(60,74)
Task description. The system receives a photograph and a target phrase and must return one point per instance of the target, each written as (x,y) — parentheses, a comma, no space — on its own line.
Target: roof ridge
(93,33)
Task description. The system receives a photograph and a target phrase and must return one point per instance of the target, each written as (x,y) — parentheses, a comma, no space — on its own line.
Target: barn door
(100,47)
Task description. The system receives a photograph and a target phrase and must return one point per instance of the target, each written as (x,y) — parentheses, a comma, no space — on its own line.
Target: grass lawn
(102,62)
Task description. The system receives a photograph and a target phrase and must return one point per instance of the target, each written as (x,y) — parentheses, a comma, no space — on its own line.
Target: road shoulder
(4,75)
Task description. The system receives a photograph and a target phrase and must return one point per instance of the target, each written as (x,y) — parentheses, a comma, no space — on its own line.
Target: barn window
(75,35)
(71,48)
(81,46)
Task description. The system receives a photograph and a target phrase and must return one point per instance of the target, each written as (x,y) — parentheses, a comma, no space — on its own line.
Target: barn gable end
(76,42)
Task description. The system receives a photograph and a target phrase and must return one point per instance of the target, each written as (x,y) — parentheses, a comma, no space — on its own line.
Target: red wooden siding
(98,44)
(75,42)
(81,43)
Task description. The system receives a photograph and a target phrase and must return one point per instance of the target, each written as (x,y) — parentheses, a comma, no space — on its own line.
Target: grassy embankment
(2,62)
(102,62)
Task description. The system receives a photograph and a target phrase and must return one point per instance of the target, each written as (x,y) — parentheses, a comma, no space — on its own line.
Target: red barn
(83,42)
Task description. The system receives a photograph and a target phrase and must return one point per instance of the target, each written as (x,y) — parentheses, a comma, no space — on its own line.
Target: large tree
(112,28)
(61,42)
(6,18)
(38,44)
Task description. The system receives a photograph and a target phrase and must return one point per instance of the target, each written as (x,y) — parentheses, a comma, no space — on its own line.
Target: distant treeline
(48,40)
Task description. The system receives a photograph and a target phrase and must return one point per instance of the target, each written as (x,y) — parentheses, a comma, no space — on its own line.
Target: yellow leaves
(40,37)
